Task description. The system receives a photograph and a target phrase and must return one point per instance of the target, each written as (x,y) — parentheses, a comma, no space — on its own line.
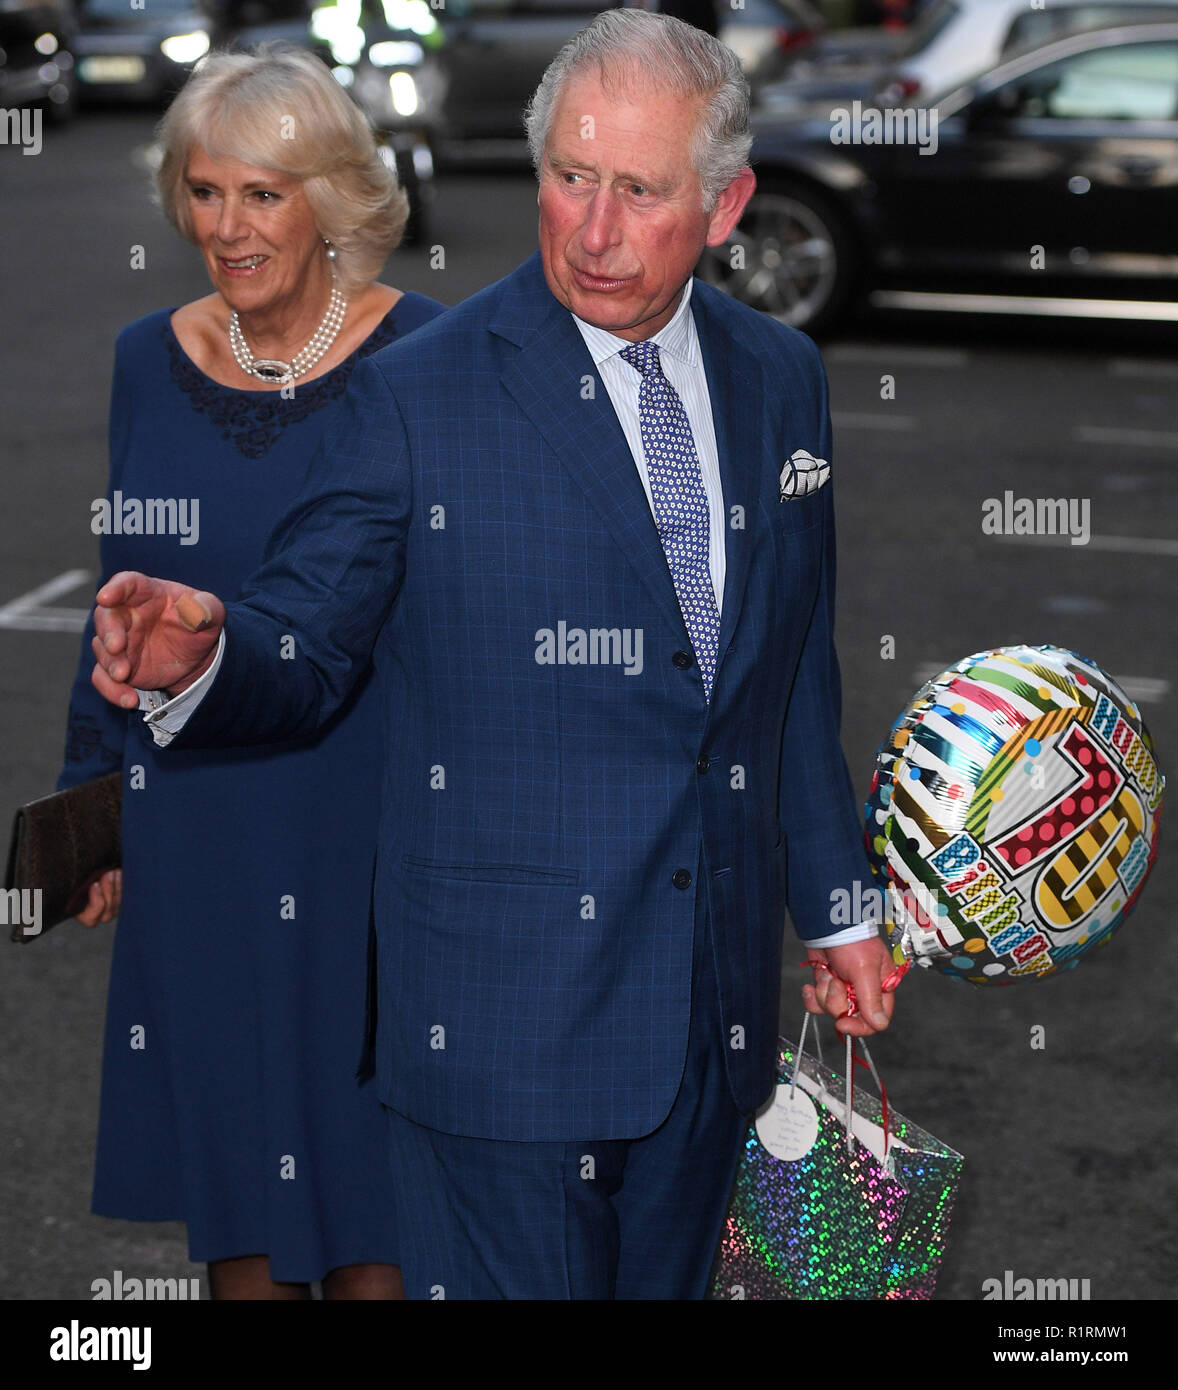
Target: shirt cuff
(165,718)
(863,932)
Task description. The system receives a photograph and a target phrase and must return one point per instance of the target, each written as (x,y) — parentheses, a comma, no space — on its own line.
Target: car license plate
(112,69)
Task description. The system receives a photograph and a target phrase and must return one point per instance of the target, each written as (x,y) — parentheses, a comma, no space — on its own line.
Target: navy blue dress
(236,1013)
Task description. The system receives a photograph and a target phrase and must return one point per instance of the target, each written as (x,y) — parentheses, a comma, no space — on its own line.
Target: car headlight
(410,14)
(393,53)
(403,93)
(186,48)
(338,26)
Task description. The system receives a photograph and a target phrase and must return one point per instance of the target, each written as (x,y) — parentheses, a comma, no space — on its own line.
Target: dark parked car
(36,57)
(1050,184)
(385,53)
(140,55)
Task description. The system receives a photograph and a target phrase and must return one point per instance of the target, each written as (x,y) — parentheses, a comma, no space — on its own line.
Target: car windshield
(122,9)
(1124,82)
(1041,26)
(939,15)
(781,14)
(463,9)
(1127,83)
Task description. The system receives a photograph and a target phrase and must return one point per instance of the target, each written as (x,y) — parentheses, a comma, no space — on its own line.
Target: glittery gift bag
(820,1213)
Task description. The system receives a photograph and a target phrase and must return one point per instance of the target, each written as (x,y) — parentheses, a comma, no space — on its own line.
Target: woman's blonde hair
(280,108)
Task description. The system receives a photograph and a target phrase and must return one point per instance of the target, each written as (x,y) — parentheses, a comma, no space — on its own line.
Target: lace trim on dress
(254,420)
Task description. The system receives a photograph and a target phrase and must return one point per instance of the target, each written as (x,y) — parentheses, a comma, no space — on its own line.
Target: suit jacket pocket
(798,513)
(489,873)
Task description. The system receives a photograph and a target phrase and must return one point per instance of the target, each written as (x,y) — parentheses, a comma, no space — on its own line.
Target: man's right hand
(152,634)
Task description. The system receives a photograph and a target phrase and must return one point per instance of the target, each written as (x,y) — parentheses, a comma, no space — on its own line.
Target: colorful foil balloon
(1013,816)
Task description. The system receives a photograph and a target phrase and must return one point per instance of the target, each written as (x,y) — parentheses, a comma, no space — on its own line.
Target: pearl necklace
(277,373)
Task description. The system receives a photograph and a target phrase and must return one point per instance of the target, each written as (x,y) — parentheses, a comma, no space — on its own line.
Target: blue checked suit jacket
(546,827)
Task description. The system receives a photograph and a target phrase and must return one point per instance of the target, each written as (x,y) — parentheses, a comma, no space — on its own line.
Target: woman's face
(256,231)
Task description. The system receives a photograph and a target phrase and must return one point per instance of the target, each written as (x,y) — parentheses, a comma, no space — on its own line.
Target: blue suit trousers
(613,1219)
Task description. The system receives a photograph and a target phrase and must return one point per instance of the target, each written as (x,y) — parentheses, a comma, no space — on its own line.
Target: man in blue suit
(581,525)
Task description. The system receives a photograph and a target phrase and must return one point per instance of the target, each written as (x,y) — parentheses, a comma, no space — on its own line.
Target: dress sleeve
(97,730)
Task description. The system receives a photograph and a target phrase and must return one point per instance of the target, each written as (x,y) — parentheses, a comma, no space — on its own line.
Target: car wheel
(791,256)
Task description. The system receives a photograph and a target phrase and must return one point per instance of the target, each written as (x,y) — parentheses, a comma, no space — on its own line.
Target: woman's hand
(106,893)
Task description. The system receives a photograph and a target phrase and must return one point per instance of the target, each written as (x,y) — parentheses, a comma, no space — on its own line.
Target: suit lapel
(736,389)
(546,378)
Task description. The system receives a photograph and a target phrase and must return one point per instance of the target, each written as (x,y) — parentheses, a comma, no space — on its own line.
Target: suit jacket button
(683,660)
(702,763)
(681,878)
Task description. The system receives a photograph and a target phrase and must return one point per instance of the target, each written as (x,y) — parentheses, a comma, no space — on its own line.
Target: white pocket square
(802,475)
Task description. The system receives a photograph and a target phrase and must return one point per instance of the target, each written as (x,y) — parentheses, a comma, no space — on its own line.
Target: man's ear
(730,207)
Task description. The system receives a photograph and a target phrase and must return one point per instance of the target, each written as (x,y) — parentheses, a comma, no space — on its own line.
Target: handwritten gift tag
(788,1125)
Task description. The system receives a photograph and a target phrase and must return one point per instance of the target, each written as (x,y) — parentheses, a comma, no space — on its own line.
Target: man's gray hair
(637,49)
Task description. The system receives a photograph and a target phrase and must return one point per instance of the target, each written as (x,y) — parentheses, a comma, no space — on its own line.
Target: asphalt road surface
(1069,1147)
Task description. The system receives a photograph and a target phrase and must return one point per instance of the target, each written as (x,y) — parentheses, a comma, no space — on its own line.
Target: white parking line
(852,420)
(906,356)
(1117,434)
(1134,545)
(1123,545)
(27,613)
(1136,309)
(1144,368)
(1145,690)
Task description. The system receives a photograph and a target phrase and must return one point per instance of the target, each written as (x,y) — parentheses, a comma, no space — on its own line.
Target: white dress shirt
(683,366)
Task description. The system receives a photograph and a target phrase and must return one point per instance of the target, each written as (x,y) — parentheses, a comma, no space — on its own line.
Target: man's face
(621,212)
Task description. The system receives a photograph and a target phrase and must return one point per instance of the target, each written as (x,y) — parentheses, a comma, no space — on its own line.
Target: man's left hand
(864,965)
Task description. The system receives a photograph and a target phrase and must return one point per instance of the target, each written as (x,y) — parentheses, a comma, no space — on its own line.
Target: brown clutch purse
(60,845)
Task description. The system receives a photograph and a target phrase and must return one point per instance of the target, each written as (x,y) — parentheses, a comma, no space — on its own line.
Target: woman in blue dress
(231,1097)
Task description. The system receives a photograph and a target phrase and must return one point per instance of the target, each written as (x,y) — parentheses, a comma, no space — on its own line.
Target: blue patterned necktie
(681,510)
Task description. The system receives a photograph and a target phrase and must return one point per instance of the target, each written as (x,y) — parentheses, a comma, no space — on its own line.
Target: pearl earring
(331,251)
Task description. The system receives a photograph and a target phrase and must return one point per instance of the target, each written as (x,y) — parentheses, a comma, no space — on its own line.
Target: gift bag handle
(852,1061)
